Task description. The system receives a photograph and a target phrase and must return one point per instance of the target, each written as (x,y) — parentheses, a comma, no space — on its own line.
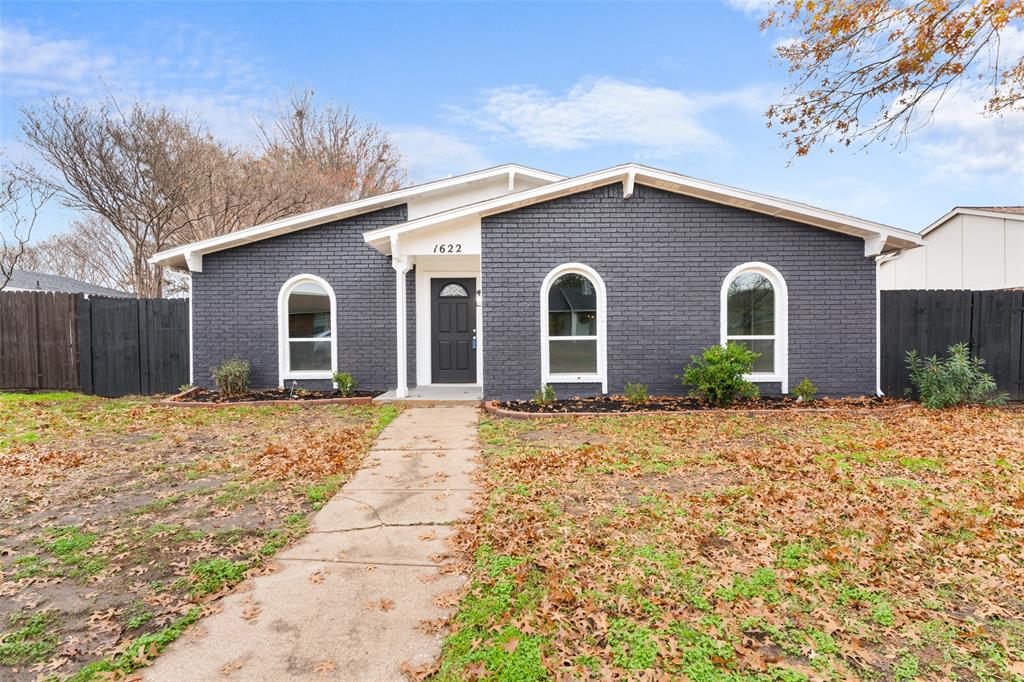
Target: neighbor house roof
(1006,212)
(25,280)
(191,254)
(878,237)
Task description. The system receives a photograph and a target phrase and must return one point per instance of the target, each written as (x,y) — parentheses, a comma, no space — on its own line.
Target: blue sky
(565,87)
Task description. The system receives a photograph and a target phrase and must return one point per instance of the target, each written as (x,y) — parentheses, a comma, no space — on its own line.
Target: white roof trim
(972,211)
(190,255)
(673,182)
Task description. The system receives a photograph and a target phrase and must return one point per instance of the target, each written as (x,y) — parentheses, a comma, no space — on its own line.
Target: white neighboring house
(971,247)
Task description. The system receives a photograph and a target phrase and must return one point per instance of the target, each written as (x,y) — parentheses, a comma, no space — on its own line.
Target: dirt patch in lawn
(755,547)
(121,519)
(562,436)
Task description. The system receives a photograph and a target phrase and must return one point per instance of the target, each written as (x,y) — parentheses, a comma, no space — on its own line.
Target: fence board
(106,346)
(930,321)
(996,337)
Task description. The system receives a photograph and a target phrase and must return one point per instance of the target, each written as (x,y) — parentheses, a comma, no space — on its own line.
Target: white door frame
(424,320)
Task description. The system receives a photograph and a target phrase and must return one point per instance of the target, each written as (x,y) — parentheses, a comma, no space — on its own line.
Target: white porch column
(402,267)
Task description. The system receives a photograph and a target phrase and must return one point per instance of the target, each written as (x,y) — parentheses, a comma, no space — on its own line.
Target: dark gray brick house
(509,278)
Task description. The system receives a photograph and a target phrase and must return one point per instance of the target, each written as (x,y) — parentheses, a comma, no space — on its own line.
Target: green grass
(239,494)
(761,583)
(70,545)
(30,639)
(212,575)
(633,646)
(138,653)
(318,494)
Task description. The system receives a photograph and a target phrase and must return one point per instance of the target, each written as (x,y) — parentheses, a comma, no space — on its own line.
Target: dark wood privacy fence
(990,322)
(100,345)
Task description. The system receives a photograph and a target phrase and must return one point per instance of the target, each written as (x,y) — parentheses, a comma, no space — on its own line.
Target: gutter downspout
(883,258)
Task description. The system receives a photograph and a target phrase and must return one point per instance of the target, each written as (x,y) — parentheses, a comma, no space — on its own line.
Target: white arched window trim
(283,356)
(781,373)
(601,376)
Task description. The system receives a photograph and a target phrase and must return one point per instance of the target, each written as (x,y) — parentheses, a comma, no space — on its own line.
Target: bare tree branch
(22,197)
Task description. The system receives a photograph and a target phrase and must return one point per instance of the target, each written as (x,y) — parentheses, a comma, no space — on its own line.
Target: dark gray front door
(453,331)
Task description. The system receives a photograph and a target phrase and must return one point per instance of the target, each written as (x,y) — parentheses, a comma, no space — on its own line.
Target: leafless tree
(155,179)
(134,169)
(91,250)
(341,157)
(22,197)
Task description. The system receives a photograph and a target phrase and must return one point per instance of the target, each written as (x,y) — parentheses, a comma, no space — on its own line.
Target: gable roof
(180,257)
(1005,212)
(26,280)
(877,236)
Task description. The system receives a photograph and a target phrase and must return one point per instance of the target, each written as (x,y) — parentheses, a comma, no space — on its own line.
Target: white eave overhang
(190,256)
(961,210)
(877,238)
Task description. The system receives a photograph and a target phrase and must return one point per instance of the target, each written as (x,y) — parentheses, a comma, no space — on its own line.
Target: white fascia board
(672,182)
(971,211)
(186,255)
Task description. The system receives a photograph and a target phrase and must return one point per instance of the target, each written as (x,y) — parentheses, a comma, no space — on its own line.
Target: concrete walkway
(351,597)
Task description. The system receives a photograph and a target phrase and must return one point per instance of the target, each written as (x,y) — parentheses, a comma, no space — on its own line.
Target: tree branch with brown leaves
(864,70)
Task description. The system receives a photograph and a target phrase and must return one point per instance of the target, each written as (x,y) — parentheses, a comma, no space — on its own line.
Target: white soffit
(880,236)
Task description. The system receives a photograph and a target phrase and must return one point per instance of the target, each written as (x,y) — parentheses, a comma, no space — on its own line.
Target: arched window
(573,324)
(754,313)
(306,324)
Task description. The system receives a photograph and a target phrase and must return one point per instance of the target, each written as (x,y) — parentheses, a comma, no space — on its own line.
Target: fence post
(85,343)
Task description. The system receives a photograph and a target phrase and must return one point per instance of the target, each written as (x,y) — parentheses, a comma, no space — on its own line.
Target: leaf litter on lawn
(122,519)
(872,545)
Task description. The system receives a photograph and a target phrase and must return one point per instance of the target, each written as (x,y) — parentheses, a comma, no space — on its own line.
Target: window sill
(325,374)
(575,379)
(763,378)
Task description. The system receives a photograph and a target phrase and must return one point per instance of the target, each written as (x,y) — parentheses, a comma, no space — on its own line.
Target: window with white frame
(573,326)
(754,314)
(307,328)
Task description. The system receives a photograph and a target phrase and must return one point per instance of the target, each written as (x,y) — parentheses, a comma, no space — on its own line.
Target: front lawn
(709,547)
(120,520)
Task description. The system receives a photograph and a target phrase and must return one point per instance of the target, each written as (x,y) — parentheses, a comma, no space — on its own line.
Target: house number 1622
(447,248)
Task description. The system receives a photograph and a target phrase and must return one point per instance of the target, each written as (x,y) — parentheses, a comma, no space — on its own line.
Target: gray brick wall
(663,258)
(234,306)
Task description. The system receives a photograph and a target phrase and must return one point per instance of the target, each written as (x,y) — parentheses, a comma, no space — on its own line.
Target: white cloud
(29,61)
(184,68)
(755,7)
(961,142)
(433,154)
(605,112)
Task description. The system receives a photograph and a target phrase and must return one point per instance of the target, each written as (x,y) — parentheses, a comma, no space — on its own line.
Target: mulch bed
(619,405)
(268,396)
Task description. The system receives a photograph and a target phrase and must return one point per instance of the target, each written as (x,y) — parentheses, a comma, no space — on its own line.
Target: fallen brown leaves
(110,506)
(842,545)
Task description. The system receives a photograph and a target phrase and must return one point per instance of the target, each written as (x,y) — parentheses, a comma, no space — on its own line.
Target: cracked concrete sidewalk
(349,598)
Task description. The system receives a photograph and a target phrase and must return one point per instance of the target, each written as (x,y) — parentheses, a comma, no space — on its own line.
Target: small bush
(805,391)
(636,393)
(717,374)
(956,380)
(345,382)
(232,376)
(544,395)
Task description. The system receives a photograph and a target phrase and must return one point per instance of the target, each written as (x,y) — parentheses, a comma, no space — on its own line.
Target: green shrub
(717,374)
(805,391)
(345,382)
(232,376)
(544,395)
(636,393)
(956,380)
